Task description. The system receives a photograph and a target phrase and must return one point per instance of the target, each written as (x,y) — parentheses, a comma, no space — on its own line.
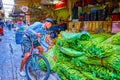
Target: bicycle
(32,67)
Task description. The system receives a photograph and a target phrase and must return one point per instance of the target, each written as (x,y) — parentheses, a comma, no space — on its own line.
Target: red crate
(1,31)
(115,17)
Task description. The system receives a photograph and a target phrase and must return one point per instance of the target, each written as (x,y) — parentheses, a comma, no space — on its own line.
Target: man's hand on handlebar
(49,47)
(38,34)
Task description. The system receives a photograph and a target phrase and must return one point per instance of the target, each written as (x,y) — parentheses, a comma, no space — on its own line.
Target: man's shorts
(27,44)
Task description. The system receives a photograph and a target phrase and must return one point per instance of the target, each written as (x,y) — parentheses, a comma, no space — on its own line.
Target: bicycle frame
(34,58)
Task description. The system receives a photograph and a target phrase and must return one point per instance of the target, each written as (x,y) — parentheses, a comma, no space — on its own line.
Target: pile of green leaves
(99,71)
(98,40)
(61,42)
(94,40)
(117,49)
(69,35)
(62,75)
(89,57)
(112,61)
(51,57)
(106,35)
(69,44)
(100,50)
(71,52)
(84,36)
(116,39)
(75,73)
(70,72)
(54,56)
(74,36)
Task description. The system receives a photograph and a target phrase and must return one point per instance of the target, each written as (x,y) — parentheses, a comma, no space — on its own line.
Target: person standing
(9,25)
(1,27)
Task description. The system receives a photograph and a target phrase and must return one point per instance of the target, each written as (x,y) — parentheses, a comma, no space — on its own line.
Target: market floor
(10,58)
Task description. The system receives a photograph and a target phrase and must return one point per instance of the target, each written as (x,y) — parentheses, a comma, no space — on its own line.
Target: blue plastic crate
(93,11)
(18,37)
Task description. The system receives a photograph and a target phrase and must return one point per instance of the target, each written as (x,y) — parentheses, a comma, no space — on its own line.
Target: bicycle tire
(47,66)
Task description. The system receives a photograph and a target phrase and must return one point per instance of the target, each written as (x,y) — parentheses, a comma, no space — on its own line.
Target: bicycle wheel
(33,69)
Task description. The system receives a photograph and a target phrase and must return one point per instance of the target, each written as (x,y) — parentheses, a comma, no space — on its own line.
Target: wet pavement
(10,58)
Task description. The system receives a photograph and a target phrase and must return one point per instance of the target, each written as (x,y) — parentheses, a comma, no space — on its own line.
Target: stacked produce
(81,56)
(114,40)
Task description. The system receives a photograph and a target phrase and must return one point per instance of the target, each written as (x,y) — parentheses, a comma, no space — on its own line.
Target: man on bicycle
(32,33)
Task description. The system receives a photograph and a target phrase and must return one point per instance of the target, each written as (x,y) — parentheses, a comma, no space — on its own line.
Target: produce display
(116,39)
(84,56)
(71,52)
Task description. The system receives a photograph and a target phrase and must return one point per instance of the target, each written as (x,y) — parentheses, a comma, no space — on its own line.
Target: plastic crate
(94,11)
(1,30)
(19,37)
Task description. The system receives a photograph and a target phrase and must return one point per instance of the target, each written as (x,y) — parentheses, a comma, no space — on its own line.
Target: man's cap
(49,20)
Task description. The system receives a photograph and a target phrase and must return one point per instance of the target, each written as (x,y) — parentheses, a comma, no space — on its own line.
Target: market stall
(92,26)
(77,56)
(80,53)
(94,16)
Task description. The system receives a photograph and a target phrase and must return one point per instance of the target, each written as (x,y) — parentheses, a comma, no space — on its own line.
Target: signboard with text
(60,4)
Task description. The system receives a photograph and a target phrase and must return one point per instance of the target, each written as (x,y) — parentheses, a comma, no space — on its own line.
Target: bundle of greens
(100,50)
(117,49)
(70,72)
(51,57)
(99,71)
(69,44)
(106,35)
(61,42)
(84,36)
(90,57)
(69,36)
(62,76)
(54,56)
(71,52)
(113,39)
(95,40)
(116,39)
(74,36)
(112,61)
(98,40)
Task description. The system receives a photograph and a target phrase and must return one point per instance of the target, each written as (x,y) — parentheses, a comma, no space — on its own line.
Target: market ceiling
(29,3)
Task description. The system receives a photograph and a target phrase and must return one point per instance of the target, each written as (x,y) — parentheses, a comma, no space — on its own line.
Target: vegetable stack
(81,56)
